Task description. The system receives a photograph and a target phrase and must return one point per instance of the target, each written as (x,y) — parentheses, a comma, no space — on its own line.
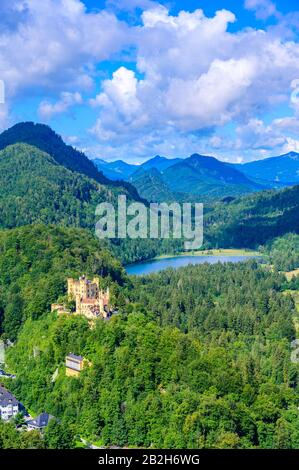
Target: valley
(211,341)
(203,178)
(149,233)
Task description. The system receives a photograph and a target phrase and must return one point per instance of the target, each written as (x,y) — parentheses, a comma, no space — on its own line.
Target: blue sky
(134,78)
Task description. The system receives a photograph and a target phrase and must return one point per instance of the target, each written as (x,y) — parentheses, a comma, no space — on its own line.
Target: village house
(40,422)
(9,405)
(73,365)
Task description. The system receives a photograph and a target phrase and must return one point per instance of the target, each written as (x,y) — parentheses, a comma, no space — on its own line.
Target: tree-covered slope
(283,252)
(207,177)
(151,186)
(198,358)
(35,188)
(252,220)
(35,261)
(45,139)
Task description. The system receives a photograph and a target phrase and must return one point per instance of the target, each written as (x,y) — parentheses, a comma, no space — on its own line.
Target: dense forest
(252,220)
(34,188)
(35,262)
(283,252)
(39,187)
(198,357)
(45,139)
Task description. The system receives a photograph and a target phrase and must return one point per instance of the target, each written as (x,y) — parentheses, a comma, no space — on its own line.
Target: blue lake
(154,265)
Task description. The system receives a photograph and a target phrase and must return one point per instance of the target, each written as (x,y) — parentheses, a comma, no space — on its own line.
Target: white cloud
(212,99)
(121,109)
(194,76)
(55,44)
(187,77)
(4,116)
(291,145)
(47,110)
(121,92)
(256,135)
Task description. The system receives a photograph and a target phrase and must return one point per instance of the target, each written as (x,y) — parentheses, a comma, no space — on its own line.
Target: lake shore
(214,252)
(181,260)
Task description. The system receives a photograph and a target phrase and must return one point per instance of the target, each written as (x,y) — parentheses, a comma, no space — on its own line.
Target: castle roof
(41,421)
(76,358)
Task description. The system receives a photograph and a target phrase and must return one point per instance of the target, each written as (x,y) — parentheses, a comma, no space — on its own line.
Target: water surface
(154,265)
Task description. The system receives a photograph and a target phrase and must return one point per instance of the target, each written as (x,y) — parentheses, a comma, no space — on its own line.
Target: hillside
(35,261)
(196,358)
(189,178)
(160,163)
(282,170)
(35,188)
(252,220)
(45,139)
(205,177)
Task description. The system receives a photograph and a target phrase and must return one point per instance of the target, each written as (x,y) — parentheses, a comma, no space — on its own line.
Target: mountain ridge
(279,170)
(47,140)
(35,188)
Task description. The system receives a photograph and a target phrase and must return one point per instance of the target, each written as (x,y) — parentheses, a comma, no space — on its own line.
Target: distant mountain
(160,163)
(206,176)
(161,179)
(120,170)
(281,170)
(117,170)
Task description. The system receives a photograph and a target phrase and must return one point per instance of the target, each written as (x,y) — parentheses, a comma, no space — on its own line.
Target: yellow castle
(91,301)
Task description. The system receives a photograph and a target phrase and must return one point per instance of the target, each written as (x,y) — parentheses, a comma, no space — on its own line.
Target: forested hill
(35,262)
(35,188)
(252,220)
(45,139)
(197,358)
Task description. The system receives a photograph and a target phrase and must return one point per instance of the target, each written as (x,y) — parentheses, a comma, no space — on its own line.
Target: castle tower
(83,288)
